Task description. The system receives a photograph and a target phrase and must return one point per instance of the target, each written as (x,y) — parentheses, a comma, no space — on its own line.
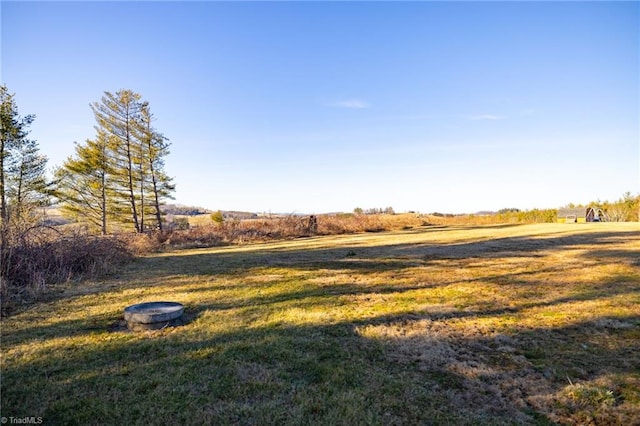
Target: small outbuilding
(581,215)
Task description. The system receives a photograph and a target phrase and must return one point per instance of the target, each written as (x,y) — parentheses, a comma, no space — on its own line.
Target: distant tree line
(624,209)
(220,216)
(527,216)
(386,210)
(174,209)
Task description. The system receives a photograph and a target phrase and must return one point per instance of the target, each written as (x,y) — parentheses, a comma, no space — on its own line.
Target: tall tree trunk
(132,196)
(104,203)
(156,199)
(141,197)
(3,198)
(19,193)
(3,212)
(152,172)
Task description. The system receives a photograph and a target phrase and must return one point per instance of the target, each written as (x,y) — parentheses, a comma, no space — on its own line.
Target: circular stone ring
(153,312)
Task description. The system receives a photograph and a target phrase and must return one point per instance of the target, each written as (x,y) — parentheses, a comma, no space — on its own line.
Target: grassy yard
(503,324)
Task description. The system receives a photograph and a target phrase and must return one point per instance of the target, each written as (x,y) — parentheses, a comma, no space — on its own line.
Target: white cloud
(352,104)
(487,117)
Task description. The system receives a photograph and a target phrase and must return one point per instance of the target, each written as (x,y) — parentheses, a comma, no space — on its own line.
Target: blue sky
(326,106)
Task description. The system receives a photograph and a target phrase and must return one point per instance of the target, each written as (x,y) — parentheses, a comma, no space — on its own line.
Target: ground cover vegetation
(434,324)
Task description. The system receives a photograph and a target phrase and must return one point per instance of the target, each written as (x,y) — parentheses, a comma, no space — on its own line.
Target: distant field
(496,324)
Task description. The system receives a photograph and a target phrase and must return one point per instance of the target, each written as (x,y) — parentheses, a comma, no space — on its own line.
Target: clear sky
(326,106)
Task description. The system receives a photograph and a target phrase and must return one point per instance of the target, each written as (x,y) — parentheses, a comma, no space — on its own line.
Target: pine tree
(26,183)
(123,166)
(22,168)
(155,147)
(83,183)
(117,115)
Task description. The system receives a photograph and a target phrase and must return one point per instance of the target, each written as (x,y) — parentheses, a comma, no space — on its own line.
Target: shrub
(217,217)
(202,236)
(179,223)
(140,244)
(588,395)
(32,260)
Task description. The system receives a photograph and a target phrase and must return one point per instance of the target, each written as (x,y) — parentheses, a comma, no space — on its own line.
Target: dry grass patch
(528,324)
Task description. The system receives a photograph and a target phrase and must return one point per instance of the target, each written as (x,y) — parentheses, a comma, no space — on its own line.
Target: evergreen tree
(22,168)
(155,147)
(119,175)
(83,183)
(26,186)
(117,115)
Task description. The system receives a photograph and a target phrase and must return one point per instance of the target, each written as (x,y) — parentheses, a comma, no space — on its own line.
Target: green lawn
(510,324)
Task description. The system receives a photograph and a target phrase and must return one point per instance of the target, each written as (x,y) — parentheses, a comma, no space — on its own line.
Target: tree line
(115,179)
(373,211)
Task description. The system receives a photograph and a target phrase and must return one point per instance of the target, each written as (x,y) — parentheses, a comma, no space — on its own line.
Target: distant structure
(581,215)
(312,226)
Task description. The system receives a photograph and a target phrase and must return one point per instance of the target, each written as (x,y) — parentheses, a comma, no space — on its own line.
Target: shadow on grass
(367,260)
(381,257)
(332,295)
(629,256)
(323,374)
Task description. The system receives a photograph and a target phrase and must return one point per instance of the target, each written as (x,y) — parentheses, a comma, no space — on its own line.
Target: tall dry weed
(32,260)
(272,228)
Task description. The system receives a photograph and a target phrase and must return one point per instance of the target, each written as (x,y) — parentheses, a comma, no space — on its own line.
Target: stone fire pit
(153,315)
